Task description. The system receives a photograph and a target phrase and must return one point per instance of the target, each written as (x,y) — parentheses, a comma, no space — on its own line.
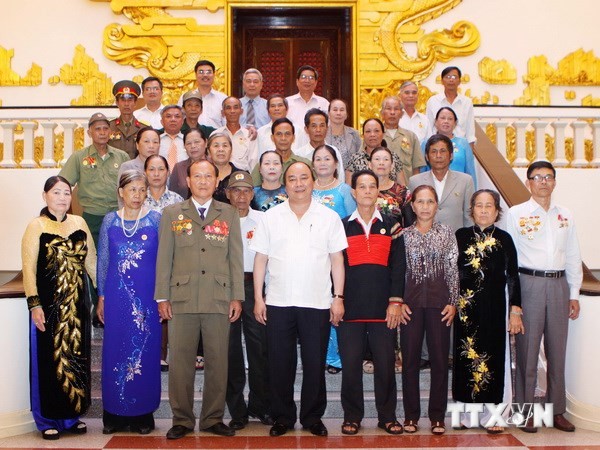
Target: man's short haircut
(447,70)
(361,172)
(306,67)
(228,98)
(390,98)
(253,70)
(149,79)
(168,107)
(540,165)
(272,96)
(314,112)
(279,122)
(204,62)
(312,174)
(434,139)
(188,171)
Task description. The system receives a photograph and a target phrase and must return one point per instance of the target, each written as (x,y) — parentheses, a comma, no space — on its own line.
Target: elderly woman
(373,130)
(374,281)
(58,254)
(127,251)
(487,264)
(218,150)
(462,158)
(430,296)
(194,142)
(270,192)
(341,136)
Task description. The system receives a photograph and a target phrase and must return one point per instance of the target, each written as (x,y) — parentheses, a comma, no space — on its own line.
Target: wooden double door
(279,40)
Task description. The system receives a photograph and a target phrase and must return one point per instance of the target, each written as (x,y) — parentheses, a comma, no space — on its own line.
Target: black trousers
(425,321)
(352,338)
(285,325)
(256,350)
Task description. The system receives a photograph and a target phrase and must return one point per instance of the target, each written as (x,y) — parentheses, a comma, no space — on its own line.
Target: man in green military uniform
(124,128)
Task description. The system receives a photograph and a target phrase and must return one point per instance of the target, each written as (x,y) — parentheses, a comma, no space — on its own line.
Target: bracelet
(517,313)
(338,296)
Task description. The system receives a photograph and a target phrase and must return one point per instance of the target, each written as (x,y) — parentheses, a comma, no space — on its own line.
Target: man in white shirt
(277,108)
(412,119)
(254,106)
(300,243)
(551,276)
(150,114)
(171,140)
(212,99)
(460,104)
(244,153)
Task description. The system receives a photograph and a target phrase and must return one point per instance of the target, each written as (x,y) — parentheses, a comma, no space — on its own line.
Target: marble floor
(255,436)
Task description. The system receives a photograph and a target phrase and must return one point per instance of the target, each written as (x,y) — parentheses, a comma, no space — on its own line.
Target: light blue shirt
(261,117)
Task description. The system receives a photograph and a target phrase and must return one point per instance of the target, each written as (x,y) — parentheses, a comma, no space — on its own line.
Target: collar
(533,206)
(198,205)
(356,216)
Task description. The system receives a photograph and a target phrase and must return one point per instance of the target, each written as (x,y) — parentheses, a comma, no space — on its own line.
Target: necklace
(326,185)
(133,229)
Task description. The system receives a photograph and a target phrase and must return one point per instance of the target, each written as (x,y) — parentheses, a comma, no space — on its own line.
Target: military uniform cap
(192,94)
(125,88)
(240,179)
(97,117)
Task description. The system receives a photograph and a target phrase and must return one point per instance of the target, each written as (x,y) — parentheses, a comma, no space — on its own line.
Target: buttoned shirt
(462,106)
(165,145)
(244,153)
(298,107)
(546,240)
(152,118)
(248,227)
(299,269)
(96,178)
(405,144)
(212,105)
(418,124)
(261,116)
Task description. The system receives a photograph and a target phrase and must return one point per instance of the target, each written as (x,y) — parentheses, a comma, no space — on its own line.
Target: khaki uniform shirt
(122,137)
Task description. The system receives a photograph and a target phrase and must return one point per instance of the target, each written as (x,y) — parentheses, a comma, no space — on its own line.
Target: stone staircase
(333,382)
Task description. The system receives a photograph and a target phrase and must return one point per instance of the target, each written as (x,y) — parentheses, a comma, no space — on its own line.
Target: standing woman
(270,192)
(341,136)
(194,142)
(58,255)
(218,150)
(127,251)
(147,143)
(430,296)
(487,264)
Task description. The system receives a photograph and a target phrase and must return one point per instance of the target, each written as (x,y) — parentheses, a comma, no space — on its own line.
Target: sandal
(495,430)
(438,428)
(411,426)
(199,362)
(350,428)
(79,428)
(50,434)
(393,427)
(368,366)
(333,370)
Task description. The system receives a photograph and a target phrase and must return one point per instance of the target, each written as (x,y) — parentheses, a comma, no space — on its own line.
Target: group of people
(316,238)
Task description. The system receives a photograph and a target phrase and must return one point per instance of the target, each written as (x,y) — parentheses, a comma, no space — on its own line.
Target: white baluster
(28,129)
(9,145)
(501,136)
(596,143)
(540,138)
(48,157)
(520,142)
(560,159)
(69,140)
(579,144)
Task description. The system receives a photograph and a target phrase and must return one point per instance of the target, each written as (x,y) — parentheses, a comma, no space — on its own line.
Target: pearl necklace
(326,185)
(133,229)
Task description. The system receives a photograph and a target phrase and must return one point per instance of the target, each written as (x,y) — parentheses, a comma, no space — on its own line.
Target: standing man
(412,119)
(192,108)
(402,142)
(125,127)
(212,99)
(240,193)
(171,139)
(551,276)
(199,287)
(299,303)
(152,89)
(277,108)
(254,106)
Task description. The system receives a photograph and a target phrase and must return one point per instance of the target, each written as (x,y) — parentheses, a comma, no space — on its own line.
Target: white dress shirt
(418,124)
(264,141)
(152,118)
(248,227)
(462,106)
(298,107)
(245,152)
(165,144)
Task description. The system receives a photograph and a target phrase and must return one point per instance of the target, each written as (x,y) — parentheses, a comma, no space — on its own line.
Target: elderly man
(277,108)
(402,142)
(244,153)
(171,138)
(124,128)
(254,106)
(199,287)
(299,303)
(211,98)
(412,119)
(192,108)
(551,275)
(240,193)
(152,90)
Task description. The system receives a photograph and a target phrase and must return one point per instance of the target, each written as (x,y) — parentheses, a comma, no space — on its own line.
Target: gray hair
(168,107)
(388,98)
(253,70)
(131,175)
(406,84)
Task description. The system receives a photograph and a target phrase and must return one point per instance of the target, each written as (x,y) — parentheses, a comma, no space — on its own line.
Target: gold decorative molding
(570,95)
(497,72)
(10,78)
(84,71)
(590,100)
(485,98)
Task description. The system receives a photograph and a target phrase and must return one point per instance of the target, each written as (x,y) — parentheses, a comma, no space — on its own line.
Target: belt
(542,273)
(248,276)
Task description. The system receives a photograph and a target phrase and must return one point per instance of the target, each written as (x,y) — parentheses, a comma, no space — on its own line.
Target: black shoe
(278,429)
(110,429)
(164,367)
(424,364)
(220,429)
(178,431)
(50,434)
(265,419)
(238,424)
(79,428)
(318,429)
(96,322)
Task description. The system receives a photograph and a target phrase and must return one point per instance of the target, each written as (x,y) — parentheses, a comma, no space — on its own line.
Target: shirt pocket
(222,288)
(180,288)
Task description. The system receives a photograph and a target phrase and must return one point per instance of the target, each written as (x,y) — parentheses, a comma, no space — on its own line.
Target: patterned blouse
(168,198)
(360,161)
(395,203)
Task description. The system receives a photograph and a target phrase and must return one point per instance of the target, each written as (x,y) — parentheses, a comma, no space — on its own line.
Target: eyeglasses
(538,178)
(307,77)
(451,77)
(204,72)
